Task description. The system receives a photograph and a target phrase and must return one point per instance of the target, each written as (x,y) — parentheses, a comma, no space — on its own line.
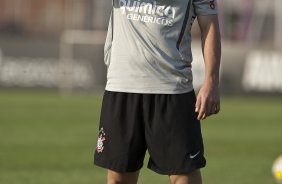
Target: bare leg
(191,178)
(122,178)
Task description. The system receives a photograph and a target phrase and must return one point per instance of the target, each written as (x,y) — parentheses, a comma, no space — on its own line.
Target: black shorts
(164,124)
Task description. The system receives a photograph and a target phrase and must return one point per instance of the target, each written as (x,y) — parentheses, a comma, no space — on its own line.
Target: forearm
(211,46)
(208,100)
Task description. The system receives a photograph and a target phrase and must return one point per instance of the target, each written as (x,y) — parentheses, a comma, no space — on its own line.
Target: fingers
(217,108)
(202,109)
(206,107)
(203,113)
(210,108)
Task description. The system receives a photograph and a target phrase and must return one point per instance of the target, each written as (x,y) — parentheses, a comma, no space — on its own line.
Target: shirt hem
(150,91)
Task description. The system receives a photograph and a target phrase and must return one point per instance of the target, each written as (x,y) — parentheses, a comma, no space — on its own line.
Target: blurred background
(52,76)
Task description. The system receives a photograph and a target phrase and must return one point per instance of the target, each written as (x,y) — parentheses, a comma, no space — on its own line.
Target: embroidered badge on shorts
(212,4)
(100,142)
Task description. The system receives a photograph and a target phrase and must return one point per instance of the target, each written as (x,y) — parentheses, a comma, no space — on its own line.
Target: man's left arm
(208,98)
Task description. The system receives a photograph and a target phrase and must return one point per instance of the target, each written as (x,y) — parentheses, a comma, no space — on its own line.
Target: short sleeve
(205,7)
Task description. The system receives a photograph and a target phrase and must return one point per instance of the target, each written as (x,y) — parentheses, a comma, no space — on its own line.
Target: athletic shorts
(164,124)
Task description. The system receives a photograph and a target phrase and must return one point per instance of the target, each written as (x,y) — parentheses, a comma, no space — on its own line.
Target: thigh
(121,142)
(173,134)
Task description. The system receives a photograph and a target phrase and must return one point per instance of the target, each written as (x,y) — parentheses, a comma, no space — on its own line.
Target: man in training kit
(149,102)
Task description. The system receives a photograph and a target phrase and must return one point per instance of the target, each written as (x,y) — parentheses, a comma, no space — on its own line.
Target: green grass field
(49,139)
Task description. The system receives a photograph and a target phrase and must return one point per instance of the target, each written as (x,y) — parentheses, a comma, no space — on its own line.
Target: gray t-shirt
(148,45)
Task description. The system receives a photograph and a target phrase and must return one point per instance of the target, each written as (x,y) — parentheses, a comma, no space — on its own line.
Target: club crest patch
(212,4)
(100,141)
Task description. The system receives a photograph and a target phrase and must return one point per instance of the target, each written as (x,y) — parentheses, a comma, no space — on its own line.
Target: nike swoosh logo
(193,156)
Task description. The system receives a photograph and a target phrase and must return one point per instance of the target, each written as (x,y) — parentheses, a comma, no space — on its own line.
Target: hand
(208,101)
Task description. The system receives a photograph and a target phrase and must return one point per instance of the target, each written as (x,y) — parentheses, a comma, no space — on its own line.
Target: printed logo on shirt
(212,4)
(148,12)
